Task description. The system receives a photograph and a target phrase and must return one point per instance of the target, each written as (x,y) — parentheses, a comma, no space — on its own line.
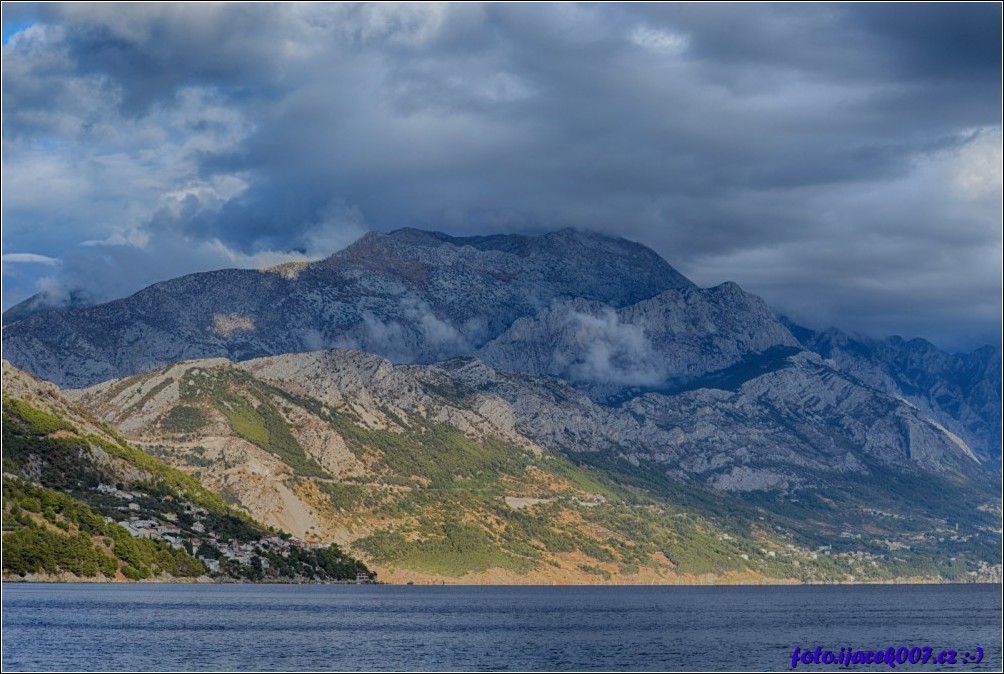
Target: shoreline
(205,580)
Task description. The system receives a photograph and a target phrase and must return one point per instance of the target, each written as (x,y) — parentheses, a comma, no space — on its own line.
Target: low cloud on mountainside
(610,352)
(843,161)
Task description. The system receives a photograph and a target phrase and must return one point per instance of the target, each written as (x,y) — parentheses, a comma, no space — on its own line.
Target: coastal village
(189,527)
(186,526)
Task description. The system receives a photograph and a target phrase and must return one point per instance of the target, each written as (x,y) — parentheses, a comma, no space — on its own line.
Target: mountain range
(453,406)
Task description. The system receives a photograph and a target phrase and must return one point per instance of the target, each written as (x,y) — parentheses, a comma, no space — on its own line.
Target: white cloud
(979,166)
(28,258)
(659,40)
(211,194)
(339,225)
(608,351)
(404,23)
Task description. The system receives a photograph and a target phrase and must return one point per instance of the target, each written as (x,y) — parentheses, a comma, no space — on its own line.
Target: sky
(841,160)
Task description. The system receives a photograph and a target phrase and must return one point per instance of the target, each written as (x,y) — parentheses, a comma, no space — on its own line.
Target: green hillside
(436,502)
(92,506)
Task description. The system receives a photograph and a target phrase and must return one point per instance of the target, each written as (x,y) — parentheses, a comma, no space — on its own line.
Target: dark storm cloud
(937,41)
(842,160)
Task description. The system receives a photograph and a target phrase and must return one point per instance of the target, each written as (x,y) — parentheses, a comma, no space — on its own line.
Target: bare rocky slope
(409,295)
(661,343)
(458,470)
(961,390)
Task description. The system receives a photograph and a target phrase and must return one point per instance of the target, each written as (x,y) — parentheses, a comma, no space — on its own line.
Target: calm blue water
(313,627)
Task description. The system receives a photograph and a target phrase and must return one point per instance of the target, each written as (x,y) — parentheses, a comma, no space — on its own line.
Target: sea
(147,627)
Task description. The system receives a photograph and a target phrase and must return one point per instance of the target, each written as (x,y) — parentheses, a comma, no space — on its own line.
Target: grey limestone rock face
(800,426)
(411,296)
(962,391)
(668,340)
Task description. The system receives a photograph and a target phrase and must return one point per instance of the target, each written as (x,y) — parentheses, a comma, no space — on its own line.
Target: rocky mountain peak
(409,295)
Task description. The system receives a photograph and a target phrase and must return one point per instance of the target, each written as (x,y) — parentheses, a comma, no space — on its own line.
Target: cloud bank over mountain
(844,161)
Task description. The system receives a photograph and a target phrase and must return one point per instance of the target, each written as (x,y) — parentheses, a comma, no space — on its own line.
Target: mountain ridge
(607,315)
(961,390)
(382,293)
(425,467)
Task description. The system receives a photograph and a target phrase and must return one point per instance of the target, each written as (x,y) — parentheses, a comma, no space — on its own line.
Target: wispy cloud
(28,258)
